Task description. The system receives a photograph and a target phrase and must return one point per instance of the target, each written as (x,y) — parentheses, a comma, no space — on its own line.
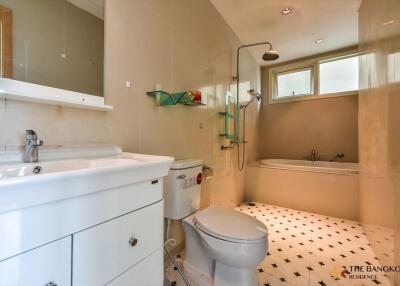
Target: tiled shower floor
(307,249)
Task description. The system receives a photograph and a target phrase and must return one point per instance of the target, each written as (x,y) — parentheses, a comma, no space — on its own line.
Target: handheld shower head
(256,94)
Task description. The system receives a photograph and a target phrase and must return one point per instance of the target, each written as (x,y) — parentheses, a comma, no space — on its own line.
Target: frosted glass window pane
(338,76)
(294,83)
(393,67)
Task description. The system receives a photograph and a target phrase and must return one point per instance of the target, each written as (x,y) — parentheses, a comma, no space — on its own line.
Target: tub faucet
(313,157)
(32,144)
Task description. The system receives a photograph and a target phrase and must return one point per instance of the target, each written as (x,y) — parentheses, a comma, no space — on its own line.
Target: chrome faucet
(32,144)
(313,157)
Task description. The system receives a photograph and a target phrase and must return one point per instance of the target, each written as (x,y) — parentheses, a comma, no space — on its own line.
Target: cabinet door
(149,272)
(103,252)
(42,266)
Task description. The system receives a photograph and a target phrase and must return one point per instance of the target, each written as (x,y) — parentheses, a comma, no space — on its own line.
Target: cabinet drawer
(149,272)
(105,251)
(38,267)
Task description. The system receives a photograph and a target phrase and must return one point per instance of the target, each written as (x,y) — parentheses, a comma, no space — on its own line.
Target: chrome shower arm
(246,46)
(237,139)
(236,78)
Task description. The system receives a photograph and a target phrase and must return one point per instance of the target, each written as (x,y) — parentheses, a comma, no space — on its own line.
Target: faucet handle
(30,134)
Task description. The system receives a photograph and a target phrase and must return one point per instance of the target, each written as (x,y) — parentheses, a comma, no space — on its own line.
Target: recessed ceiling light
(388,22)
(286,11)
(319,41)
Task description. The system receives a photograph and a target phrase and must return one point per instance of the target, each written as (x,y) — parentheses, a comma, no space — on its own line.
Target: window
(294,83)
(338,75)
(393,62)
(369,75)
(335,75)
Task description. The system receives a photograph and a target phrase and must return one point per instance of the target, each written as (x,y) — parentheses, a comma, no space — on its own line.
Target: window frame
(391,52)
(294,71)
(312,64)
(5,42)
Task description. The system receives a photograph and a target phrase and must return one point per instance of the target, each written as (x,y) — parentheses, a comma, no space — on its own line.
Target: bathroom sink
(28,184)
(33,169)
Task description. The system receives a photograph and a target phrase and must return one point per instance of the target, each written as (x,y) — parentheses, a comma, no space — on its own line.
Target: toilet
(223,246)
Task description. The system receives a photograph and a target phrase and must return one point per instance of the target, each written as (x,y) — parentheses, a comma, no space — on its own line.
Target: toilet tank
(182,188)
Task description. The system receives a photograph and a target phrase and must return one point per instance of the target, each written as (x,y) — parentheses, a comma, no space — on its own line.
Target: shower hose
(172,242)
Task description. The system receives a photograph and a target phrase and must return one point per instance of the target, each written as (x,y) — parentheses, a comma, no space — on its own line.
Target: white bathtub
(328,188)
(316,166)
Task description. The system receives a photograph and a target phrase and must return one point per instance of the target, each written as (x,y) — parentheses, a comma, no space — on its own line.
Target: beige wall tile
(57,126)
(290,130)
(182,45)
(379,115)
(149,43)
(328,194)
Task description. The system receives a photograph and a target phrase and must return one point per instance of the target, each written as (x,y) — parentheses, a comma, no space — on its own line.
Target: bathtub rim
(336,171)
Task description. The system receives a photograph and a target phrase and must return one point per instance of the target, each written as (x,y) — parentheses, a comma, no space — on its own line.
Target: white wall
(182,45)
(379,132)
(290,130)
(57,126)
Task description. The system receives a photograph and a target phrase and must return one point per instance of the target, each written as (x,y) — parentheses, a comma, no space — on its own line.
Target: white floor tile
(306,249)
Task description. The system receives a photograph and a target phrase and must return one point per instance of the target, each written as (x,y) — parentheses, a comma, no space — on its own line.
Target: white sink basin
(21,187)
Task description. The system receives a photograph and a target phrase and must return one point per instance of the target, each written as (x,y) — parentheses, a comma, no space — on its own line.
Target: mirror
(55,43)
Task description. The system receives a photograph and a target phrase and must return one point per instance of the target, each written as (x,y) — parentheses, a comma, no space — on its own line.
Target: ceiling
(94,7)
(292,35)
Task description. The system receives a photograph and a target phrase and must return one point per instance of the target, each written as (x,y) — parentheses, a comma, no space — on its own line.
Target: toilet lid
(230,225)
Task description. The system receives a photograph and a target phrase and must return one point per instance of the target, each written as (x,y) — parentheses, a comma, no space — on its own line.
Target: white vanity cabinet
(105,251)
(148,272)
(48,265)
(89,218)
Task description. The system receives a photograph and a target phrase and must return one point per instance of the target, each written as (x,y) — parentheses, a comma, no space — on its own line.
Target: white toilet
(223,246)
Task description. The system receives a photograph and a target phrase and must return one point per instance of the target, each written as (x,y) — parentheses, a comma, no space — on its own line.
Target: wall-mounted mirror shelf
(52,52)
(29,92)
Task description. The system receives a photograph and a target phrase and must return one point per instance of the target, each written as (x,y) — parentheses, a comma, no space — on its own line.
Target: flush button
(198,178)
(37,169)
(133,241)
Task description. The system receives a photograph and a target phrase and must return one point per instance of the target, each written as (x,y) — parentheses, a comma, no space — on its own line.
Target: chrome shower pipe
(237,140)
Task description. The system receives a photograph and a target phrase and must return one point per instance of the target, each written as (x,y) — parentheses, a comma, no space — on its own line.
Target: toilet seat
(230,225)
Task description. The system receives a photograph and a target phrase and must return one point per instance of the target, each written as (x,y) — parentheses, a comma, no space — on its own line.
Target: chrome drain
(37,169)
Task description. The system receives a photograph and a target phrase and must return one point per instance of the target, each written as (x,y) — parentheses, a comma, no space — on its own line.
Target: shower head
(270,55)
(256,94)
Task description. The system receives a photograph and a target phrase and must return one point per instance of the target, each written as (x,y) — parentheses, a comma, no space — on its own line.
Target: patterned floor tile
(307,249)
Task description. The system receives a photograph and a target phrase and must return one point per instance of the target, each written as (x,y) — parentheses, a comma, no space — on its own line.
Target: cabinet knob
(51,284)
(132,242)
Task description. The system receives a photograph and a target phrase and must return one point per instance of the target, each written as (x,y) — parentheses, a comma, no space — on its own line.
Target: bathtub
(328,188)
(316,166)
